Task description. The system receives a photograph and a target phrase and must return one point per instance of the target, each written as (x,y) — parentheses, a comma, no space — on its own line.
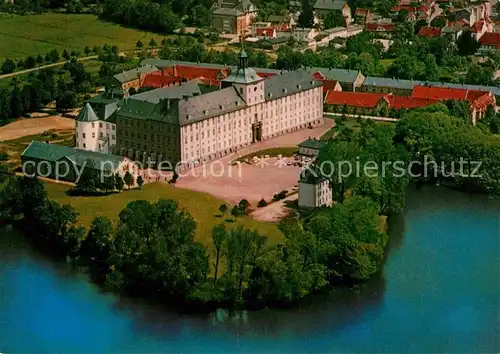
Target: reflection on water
(438,292)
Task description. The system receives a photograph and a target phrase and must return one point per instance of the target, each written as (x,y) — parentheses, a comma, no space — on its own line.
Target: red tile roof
(157,81)
(265,74)
(380,27)
(477,99)
(329,85)
(191,72)
(490,39)
(429,31)
(439,93)
(361,12)
(370,100)
(356,99)
(318,76)
(399,102)
(281,28)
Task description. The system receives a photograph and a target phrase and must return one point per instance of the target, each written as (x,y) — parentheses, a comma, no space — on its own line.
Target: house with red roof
(479,101)
(178,73)
(429,32)
(490,41)
(377,104)
(481,27)
(362,15)
(380,27)
(331,85)
(158,80)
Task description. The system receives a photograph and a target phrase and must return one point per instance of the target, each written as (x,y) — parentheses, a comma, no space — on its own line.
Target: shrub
(261,203)
(280,195)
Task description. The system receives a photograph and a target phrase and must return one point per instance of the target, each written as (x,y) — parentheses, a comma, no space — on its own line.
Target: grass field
(202,206)
(14,148)
(21,36)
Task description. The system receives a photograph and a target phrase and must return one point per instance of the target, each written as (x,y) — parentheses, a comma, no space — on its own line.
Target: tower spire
(243,56)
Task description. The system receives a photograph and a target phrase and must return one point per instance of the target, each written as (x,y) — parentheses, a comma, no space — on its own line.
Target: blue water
(439,292)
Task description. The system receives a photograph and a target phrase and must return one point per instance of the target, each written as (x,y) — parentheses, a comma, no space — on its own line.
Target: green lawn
(386,62)
(21,36)
(350,123)
(202,206)
(14,148)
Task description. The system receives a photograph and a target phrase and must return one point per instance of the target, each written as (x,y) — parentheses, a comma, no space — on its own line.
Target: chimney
(284,90)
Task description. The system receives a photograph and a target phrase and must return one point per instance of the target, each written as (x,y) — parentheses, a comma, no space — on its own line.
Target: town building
(265,32)
(229,21)
(489,41)
(304,34)
(284,22)
(479,100)
(452,31)
(350,80)
(388,85)
(133,78)
(311,147)
(95,124)
(187,125)
(362,15)
(234,17)
(386,28)
(481,27)
(323,7)
(66,163)
(314,190)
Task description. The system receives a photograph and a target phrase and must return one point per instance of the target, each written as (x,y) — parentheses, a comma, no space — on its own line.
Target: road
(27,71)
(274,211)
(380,119)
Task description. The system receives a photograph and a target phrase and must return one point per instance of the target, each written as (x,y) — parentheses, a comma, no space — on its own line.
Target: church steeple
(243,60)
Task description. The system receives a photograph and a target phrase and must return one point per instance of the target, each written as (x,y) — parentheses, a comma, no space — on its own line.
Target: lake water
(439,292)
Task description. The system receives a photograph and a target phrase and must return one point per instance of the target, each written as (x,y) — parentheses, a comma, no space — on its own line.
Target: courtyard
(253,181)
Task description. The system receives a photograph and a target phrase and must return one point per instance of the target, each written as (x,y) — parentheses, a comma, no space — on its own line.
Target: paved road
(6,76)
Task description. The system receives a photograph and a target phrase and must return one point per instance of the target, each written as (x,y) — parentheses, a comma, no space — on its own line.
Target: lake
(439,291)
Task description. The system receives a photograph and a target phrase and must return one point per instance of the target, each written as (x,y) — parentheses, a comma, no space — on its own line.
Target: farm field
(202,206)
(21,36)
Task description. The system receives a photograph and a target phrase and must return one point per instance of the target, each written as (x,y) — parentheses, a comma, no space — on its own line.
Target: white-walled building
(194,128)
(95,126)
(311,147)
(304,34)
(314,190)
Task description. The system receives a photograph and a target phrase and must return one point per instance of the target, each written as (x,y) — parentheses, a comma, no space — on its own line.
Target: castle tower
(249,85)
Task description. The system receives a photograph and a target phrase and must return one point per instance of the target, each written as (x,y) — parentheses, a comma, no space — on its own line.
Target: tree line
(67,85)
(152,250)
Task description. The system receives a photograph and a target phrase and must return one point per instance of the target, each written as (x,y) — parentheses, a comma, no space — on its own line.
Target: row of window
(101,135)
(156,126)
(108,126)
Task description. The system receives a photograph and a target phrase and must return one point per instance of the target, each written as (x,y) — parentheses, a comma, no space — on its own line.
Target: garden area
(203,207)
